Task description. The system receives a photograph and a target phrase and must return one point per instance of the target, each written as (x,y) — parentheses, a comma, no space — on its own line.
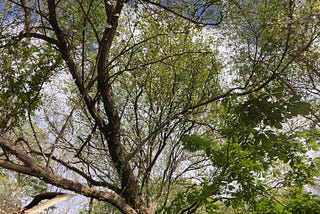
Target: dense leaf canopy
(163,106)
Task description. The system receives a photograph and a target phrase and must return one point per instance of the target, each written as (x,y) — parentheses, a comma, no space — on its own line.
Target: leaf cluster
(256,152)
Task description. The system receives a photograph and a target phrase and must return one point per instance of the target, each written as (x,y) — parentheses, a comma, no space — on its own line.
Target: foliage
(22,79)
(10,194)
(163,107)
(96,207)
(255,153)
(295,202)
(304,203)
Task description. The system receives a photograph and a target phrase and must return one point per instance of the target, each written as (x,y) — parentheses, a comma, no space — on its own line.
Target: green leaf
(195,143)
(301,108)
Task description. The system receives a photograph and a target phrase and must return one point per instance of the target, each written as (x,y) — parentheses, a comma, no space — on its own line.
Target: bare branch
(34,169)
(192,20)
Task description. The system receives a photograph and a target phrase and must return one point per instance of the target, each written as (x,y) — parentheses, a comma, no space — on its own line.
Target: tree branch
(194,21)
(32,168)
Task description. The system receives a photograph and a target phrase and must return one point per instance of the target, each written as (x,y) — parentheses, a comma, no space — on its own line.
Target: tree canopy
(163,106)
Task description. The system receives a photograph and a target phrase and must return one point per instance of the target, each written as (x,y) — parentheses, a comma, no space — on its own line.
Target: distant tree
(10,195)
(96,207)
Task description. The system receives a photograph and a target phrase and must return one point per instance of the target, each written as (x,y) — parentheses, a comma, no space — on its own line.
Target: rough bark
(110,127)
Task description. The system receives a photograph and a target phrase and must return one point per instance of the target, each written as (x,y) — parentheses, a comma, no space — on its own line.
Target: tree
(9,195)
(96,207)
(148,107)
